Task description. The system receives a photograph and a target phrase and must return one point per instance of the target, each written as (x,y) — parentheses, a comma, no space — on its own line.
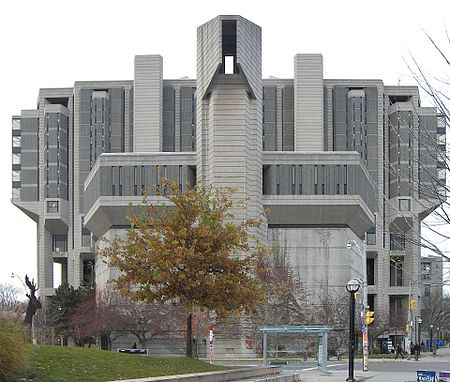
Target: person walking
(399,350)
(417,351)
(434,348)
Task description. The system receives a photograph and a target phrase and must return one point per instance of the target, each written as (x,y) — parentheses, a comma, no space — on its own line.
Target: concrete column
(265,348)
(148,98)
(308,102)
(324,352)
(279,98)
(177,112)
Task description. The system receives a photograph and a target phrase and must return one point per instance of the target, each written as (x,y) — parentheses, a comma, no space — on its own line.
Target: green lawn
(61,364)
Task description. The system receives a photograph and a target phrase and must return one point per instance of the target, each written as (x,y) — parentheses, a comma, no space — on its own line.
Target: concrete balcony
(318,188)
(33,209)
(113,189)
(56,215)
(319,210)
(398,291)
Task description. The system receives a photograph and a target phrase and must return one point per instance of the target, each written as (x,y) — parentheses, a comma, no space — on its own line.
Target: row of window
(398,242)
(59,168)
(139,179)
(319,174)
(59,241)
(16,158)
(100,125)
(357,114)
(396,274)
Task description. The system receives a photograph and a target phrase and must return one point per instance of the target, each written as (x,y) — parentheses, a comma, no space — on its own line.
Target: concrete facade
(330,161)
(432,278)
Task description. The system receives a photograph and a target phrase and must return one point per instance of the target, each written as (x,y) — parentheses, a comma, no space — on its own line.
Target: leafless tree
(333,311)
(379,326)
(9,297)
(147,321)
(287,301)
(435,85)
(436,311)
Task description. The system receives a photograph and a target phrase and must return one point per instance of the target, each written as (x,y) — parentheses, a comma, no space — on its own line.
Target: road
(380,370)
(377,365)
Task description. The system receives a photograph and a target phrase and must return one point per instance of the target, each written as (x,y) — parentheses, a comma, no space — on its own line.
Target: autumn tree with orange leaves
(188,251)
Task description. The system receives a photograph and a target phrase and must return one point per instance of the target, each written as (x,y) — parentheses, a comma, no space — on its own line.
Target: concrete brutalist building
(432,280)
(330,160)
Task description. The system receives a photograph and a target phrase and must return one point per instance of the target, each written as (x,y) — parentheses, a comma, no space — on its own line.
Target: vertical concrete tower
(148,103)
(229,110)
(308,102)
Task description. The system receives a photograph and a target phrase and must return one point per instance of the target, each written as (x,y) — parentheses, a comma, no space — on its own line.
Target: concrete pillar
(308,102)
(148,98)
(265,348)
(324,338)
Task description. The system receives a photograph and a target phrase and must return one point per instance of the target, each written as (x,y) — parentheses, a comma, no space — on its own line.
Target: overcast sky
(55,43)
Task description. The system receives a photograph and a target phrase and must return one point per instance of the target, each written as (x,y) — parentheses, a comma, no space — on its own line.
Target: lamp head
(353,285)
(349,245)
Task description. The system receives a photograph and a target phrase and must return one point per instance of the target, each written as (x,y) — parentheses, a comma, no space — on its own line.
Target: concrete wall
(320,256)
(103,273)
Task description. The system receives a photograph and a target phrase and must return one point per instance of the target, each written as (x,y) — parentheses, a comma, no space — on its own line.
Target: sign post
(365,348)
(211,337)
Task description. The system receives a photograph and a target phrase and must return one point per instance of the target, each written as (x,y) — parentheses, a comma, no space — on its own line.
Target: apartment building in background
(331,160)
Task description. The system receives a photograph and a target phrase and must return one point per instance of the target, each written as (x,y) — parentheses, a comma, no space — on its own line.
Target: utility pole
(365,329)
(409,323)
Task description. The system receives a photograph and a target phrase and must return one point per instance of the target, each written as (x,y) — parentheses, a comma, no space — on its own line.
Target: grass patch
(64,364)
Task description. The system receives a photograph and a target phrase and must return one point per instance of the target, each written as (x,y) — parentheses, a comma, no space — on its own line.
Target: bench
(278,363)
(133,351)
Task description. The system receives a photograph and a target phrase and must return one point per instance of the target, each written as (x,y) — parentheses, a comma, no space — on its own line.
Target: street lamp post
(352,287)
(364,304)
(431,337)
(13,275)
(419,329)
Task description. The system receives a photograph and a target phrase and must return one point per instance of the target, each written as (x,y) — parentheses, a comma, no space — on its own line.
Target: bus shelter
(321,331)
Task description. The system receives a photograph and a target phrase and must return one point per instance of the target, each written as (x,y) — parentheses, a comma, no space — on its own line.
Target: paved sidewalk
(342,375)
(381,369)
(440,362)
